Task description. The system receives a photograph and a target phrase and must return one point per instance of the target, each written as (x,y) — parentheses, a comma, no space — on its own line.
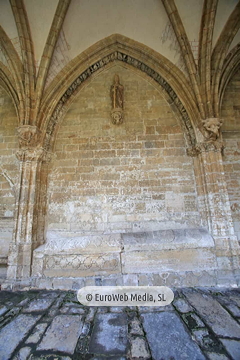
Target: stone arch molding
(137,56)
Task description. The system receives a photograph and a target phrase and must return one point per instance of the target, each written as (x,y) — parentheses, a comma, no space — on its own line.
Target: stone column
(214,207)
(27,211)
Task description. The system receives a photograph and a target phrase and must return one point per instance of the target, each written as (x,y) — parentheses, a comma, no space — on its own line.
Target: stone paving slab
(62,335)
(3,309)
(37,333)
(38,305)
(219,319)
(52,325)
(168,338)
(233,347)
(14,332)
(214,356)
(109,335)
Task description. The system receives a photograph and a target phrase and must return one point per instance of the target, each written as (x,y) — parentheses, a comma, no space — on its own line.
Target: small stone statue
(117,101)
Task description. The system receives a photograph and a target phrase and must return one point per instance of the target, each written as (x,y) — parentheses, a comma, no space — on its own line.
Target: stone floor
(199,324)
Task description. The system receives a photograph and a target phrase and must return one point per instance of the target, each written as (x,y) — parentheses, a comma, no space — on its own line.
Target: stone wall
(8,175)
(231,136)
(131,177)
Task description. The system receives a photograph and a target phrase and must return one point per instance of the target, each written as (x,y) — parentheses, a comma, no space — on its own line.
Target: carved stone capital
(28,136)
(192,151)
(211,128)
(215,146)
(28,155)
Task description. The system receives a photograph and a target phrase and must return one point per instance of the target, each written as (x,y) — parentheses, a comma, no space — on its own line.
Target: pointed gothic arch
(140,58)
(7,83)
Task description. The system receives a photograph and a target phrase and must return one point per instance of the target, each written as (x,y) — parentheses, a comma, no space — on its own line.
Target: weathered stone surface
(62,284)
(168,260)
(231,159)
(109,335)
(45,283)
(214,314)
(168,338)
(216,356)
(49,295)
(39,305)
(135,327)
(234,309)
(68,309)
(117,309)
(74,243)
(91,313)
(76,310)
(233,347)
(207,340)
(23,302)
(85,329)
(130,154)
(143,309)
(144,279)
(130,280)
(3,309)
(102,310)
(8,175)
(23,354)
(139,348)
(168,239)
(49,357)
(16,330)
(193,278)
(200,335)
(109,282)
(182,305)
(108,329)
(62,335)
(193,321)
(109,358)
(235,297)
(37,333)
(78,283)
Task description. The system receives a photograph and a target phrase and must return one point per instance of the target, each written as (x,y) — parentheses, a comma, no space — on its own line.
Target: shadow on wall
(7,204)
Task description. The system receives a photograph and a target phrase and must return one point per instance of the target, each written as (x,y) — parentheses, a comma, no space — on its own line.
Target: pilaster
(28,205)
(214,207)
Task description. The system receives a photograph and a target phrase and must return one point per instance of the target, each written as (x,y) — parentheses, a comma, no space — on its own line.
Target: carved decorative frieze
(216,146)
(212,128)
(82,262)
(28,136)
(94,243)
(117,55)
